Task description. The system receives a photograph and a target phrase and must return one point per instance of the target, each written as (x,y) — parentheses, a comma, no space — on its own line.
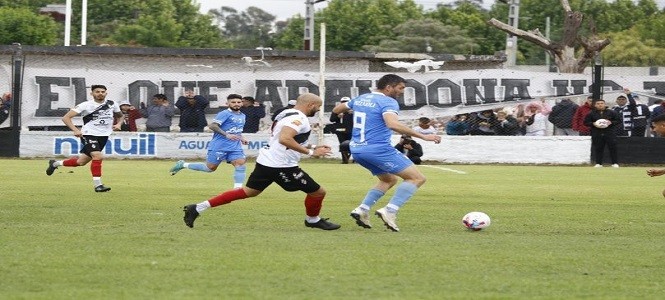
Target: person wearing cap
(290,104)
(131,114)
(343,126)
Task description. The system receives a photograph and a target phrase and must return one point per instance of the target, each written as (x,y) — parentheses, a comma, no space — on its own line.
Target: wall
(452,149)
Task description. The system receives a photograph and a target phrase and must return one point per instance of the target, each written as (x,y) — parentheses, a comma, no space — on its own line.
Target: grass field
(557,233)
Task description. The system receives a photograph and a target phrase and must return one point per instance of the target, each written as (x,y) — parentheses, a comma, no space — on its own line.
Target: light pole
(309,24)
(511,40)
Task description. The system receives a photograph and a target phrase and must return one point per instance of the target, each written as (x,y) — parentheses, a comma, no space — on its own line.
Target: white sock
(202,206)
(185,165)
(57,163)
(237,185)
(312,219)
(97,181)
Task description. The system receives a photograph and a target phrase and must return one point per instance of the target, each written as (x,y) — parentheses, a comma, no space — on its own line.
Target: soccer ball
(602,123)
(476,220)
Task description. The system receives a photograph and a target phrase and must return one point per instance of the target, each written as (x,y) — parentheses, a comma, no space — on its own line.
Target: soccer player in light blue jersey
(375,117)
(226,143)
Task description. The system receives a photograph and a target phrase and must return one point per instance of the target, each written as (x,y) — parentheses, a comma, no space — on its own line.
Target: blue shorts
(381,162)
(216,157)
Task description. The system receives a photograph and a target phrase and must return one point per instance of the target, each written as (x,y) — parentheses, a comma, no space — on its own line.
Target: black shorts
(93,143)
(290,179)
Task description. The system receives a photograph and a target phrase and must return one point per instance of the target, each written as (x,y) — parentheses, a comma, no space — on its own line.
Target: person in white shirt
(100,118)
(425,126)
(278,163)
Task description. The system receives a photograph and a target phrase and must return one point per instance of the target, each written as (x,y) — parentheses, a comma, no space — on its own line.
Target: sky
(284,9)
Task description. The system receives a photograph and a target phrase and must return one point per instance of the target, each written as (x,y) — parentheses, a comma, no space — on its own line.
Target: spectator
(536,119)
(580,114)
(640,114)
(561,117)
(290,104)
(425,126)
(254,111)
(158,114)
(131,114)
(410,148)
(652,115)
(458,125)
(483,123)
(507,124)
(601,135)
(343,126)
(520,116)
(192,112)
(5,106)
(624,112)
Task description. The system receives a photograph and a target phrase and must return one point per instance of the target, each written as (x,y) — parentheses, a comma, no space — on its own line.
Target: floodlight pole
(511,40)
(309,24)
(84,22)
(68,22)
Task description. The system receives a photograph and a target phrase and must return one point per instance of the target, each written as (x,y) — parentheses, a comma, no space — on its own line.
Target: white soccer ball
(476,220)
(602,123)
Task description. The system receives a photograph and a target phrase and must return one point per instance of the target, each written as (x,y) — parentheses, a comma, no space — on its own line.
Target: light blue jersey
(370,133)
(232,123)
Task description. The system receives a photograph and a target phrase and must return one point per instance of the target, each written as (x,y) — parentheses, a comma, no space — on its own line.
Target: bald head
(309,104)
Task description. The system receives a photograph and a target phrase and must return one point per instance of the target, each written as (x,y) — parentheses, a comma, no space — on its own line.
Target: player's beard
(235,108)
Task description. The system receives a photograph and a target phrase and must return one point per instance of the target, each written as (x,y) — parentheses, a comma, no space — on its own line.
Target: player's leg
(81,160)
(213,159)
(412,179)
(237,160)
(295,179)
(257,182)
(96,171)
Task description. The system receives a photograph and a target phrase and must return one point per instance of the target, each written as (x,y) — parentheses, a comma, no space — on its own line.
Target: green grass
(557,233)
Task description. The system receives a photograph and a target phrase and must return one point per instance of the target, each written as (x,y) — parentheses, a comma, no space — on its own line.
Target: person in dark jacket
(343,126)
(192,112)
(561,117)
(508,125)
(603,134)
(253,113)
(410,148)
(458,125)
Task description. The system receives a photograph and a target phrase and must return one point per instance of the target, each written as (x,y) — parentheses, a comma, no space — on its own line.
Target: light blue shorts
(381,162)
(216,157)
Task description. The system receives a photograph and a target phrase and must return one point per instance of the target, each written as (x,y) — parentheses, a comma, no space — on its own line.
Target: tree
(21,25)
(153,23)
(415,35)
(629,50)
(471,17)
(248,29)
(564,50)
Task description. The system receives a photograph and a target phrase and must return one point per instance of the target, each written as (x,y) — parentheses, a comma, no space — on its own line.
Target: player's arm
(119,119)
(340,108)
(68,120)
(287,138)
(393,123)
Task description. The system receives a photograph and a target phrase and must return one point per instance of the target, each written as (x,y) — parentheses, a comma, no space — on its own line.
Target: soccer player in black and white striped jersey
(100,118)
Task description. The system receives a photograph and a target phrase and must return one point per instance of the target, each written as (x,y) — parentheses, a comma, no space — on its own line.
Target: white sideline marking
(444,169)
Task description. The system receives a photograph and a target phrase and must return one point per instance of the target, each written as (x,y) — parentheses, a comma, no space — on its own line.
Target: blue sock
(372,196)
(403,193)
(239,175)
(199,167)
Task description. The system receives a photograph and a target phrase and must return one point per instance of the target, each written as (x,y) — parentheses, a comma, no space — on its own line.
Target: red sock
(227,197)
(96,168)
(313,205)
(72,162)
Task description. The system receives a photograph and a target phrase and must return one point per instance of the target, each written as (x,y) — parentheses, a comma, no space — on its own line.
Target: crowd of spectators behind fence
(535,118)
